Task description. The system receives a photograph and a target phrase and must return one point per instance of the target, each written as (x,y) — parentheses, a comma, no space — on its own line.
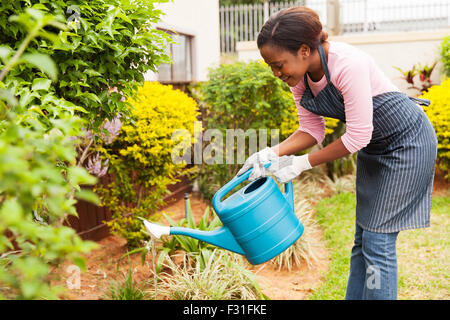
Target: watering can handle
(217,199)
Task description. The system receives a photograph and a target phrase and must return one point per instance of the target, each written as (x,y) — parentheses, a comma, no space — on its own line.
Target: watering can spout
(221,237)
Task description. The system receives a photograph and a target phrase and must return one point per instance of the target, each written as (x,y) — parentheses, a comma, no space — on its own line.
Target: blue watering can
(258,220)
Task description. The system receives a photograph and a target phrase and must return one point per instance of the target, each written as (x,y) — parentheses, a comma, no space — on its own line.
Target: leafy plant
(240,96)
(56,78)
(107,45)
(40,177)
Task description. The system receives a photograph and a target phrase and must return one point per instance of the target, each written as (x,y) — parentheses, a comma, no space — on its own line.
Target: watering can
(258,220)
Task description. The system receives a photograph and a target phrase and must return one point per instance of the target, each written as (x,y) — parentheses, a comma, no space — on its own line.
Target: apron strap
(421,102)
(323,59)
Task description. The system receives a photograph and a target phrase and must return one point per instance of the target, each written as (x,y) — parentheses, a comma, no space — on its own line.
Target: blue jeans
(373,266)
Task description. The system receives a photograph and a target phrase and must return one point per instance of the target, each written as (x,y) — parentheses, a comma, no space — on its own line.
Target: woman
(395,141)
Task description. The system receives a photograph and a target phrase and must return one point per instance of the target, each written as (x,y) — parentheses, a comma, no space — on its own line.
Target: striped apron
(395,171)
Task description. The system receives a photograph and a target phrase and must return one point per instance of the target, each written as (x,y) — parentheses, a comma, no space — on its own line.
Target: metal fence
(243,22)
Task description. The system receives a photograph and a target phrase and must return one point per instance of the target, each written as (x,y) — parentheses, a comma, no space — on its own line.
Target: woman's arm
(296,142)
(300,140)
(333,151)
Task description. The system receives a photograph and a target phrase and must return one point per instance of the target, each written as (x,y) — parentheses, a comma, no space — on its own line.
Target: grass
(424,257)
(125,290)
(336,216)
(423,254)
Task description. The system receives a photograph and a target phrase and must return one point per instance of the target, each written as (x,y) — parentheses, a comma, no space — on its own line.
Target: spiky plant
(342,184)
(223,277)
(125,290)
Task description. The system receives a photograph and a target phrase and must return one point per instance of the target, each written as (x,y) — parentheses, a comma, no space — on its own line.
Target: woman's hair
(290,28)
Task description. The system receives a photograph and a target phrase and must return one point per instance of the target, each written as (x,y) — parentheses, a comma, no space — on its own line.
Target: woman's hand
(287,168)
(257,162)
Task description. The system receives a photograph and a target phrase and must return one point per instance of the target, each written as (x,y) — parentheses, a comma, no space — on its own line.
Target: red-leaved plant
(424,73)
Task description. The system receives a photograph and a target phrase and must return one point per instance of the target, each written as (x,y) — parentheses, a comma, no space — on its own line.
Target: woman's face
(288,67)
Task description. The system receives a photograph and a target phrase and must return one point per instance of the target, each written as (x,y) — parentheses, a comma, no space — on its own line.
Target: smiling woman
(395,141)
(288,55)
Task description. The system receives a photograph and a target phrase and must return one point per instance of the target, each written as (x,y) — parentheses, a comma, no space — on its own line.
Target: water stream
(152,249)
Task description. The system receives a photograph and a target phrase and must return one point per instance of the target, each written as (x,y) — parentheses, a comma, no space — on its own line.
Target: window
(180,70)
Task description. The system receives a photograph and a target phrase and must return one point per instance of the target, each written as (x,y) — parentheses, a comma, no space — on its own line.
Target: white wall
(199,18)
(389,50)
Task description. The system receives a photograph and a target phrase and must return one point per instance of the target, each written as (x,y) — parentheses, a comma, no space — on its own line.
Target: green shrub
(439,114)
(40,180)
(248,96)
(140,158)
(109,44)
(342,166)
(445,55)
(242,96)
(56,77)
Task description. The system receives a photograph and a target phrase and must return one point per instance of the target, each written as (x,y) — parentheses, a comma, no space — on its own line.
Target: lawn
(423,254)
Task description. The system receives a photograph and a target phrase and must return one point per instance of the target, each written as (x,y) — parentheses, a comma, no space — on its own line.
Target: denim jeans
(373,266)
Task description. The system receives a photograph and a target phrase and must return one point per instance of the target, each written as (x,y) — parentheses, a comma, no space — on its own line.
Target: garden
(75,107)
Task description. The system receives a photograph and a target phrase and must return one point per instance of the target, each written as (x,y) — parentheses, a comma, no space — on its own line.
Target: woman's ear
(304,51)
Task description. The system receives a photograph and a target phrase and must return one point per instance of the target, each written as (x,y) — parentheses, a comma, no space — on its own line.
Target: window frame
(190,39)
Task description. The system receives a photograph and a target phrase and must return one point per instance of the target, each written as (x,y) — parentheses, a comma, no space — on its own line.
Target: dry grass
(302,251)
(342,184)
(224,277)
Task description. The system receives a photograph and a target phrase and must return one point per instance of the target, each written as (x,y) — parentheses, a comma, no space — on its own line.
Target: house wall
(389,50)
(199,18)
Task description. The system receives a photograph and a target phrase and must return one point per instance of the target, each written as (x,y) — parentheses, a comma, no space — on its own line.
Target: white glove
(287,168)
(257,161)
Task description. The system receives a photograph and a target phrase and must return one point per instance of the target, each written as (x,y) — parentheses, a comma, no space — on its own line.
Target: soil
(105,266)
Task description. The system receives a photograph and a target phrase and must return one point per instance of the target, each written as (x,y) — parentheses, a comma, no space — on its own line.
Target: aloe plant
(197,250)
(220,276)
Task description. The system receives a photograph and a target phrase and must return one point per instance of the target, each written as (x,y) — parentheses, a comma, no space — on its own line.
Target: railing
(393,16)
(243,22)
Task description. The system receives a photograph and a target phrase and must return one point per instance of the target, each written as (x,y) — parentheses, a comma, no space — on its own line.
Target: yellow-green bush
(439,114)
(140,158)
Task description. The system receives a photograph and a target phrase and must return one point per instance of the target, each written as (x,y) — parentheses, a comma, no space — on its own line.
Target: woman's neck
(316,70)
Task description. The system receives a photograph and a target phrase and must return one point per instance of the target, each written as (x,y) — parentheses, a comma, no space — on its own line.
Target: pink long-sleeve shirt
(357,77)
